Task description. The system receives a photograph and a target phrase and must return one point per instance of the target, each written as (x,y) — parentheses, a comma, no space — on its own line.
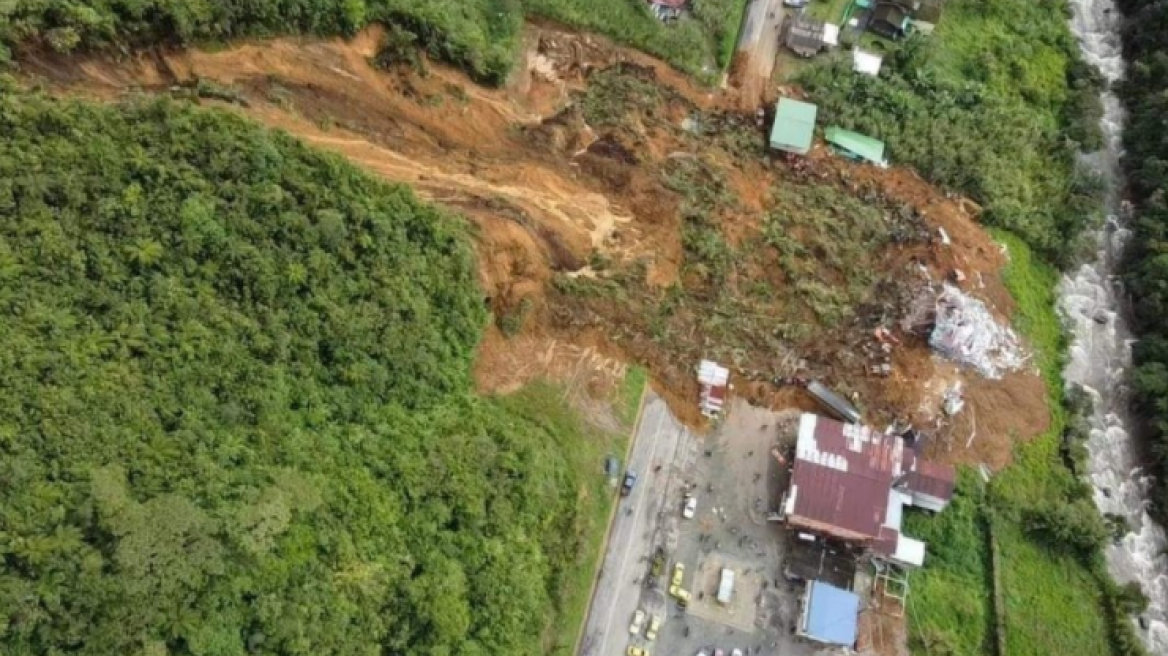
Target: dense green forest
(236,414)
(1145,96)
(995,104)
(481,36)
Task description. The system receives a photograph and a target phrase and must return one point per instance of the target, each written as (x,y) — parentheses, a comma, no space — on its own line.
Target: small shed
(856,146)
(889,20)
(831,34)
(794,126)
(830,615)
(805,35)
(868,63)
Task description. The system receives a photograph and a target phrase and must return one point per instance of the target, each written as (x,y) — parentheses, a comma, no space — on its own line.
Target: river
(1091,300)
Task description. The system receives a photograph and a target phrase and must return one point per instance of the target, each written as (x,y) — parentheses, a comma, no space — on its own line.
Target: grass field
(828,10)
(949,606)
(1052,600)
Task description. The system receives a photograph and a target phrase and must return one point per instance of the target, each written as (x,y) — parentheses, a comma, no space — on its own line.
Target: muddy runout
(584,220)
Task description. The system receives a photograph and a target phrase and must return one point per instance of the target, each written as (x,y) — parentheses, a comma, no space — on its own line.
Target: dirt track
(550,195)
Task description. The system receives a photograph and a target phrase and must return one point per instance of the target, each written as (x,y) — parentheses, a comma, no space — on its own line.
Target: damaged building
(852,484)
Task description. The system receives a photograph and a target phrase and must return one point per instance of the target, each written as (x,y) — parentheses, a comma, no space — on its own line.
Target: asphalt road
(660,441)
(760,41)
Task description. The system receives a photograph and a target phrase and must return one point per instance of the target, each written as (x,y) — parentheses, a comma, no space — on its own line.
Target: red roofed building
(852,483)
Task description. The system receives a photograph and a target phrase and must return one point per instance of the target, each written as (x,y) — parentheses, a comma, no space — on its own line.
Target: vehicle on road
(691,506)
(797,4)
(638,621)
(675,590)
(654,627)
(703,652)
(658,564)
(630,481)
(726,586)
(719,652)
(637,651)
(736,652)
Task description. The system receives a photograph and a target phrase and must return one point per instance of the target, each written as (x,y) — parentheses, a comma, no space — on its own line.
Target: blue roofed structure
(830,615)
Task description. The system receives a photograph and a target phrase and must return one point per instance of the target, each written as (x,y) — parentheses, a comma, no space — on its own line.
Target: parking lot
(737,482)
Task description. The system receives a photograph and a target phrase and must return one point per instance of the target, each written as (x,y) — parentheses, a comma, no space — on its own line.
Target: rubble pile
(966,332)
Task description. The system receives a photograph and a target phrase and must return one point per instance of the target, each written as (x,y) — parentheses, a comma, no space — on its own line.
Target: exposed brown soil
(551,197)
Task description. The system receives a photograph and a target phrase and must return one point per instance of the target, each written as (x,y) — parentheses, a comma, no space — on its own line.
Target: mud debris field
(623,215)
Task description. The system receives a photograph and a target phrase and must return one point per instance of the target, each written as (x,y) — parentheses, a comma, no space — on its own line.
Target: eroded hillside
(623,215)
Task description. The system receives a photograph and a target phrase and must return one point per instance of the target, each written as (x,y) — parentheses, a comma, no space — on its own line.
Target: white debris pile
(967,333)
(953,400)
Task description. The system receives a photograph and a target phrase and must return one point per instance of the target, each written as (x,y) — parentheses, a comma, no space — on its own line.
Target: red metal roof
(842,479)
(932,479)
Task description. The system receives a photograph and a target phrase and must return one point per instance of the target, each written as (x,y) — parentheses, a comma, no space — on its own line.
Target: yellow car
(637,651)
(654,626)
(678,573)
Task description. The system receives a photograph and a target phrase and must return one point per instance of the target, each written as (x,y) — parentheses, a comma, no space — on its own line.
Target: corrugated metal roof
(832,615)
(834,403)
(843,473)
(932,479)
(866,62)
(794,126)
(861,145)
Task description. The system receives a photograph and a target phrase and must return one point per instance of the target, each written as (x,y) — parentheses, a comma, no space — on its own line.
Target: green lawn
(949,604)
(1052,600)
(828,10)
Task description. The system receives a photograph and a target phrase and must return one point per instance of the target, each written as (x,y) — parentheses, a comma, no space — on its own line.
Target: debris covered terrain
(624,215)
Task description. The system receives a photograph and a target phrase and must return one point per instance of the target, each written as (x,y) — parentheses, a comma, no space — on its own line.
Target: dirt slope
(556,200)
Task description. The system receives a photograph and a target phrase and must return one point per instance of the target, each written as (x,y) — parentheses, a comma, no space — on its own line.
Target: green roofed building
(794,126)
(854,145)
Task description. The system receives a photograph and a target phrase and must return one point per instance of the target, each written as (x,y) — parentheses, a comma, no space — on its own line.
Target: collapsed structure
(851,483)
(966,332)
(714,380)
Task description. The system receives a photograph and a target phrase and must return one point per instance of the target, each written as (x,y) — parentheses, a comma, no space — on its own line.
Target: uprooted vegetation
(665,226)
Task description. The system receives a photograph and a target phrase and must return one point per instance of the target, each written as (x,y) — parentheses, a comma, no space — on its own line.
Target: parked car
(691,506)
(630,481)
(719,652)
(797,4)
(638,621)
(637,651)
(736,652)
(654,627)
(703,652)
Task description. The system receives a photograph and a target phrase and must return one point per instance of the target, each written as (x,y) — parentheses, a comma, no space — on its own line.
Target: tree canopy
(1145,97)
(481,36)
(236,412)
